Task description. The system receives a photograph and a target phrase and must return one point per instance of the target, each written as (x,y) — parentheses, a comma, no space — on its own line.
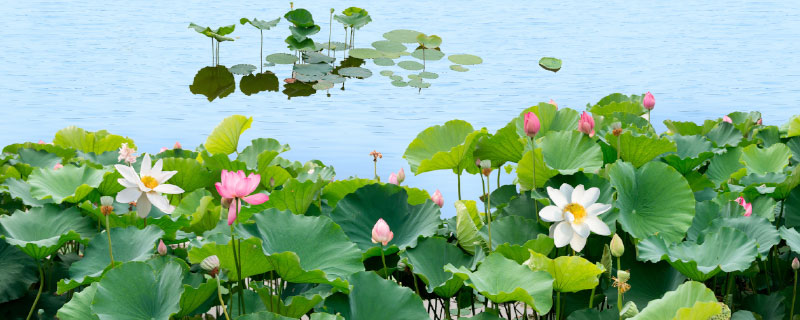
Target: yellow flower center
(578,211)
(149,182)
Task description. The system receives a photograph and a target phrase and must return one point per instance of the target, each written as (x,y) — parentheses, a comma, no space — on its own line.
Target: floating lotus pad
(323,85)
(355,72)
(316,57)
(550,64)
(313,69)
(428,54)
(365,53)
(465,59)
(410,65)
(242,69)
(458,68)
(282,58)
(428,75)
(399,83)
(396,78)
(386,73)
(383,62)
(388,46)
(402,36)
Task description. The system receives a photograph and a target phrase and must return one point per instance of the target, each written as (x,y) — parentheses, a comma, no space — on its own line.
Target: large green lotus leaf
(128,244)
(725,135)
(82,140)
(503,146)
(640,149)
(272,176)
(191,174)
(617,102)
(199,207)
(300,17)
(326,316)
(692,151)
(726,250)
(213,82)
(687,295)
(262,315)
(304,45)
(337,190)
(448,146)
(724,165)
(525,169)
(301,33)
(66,154)
(41,231)
(503,280)
(19,272)
(756,228)
(520,253)
(252,154)
(486,315)
(653,199)
(763,161)
(428,259)
(402,36)
(373,295)
(428,54)
(22,190)
(793,127)
(767,307)
(550,119)
(137,290)
(296,196)
(743,315)
(792,238)
(68,184)
(197,291)
(643,288)
(570,273)
(305,249)
(594,314)
(253,259)
(294,306)
(225,137)
(690,128)
(570,152)
(515,230)
(260,24)
(80,306)
(699,311)
(468,223)
(358,212)
(38,158)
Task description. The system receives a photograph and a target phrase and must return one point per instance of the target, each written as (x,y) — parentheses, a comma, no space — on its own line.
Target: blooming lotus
(531,124)
(237,186)
(393,179)
(748,207)
(126,154)
(553,103)
(162,149)
(649,102)
(574,212)
(177,145)
(586,124)
(437,198)
(381,233)
(146,187)
(727,119)
(58,166)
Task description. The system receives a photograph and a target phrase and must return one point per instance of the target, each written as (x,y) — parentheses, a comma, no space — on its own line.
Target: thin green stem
(619,289)
(222,302)
(459,185)
(766,275)
(619,146)
(416,287)
(38,294)
(261,61)
(383,259)
(237,258)
(108,232)
(533,187)
(376,171)
(591,297)
(489,210)
(330,32)
(558,305)
(794,295)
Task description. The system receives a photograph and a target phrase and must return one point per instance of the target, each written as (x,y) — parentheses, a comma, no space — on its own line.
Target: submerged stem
(38,294)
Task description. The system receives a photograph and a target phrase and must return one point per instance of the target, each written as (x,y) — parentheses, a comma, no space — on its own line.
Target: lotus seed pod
(725,314)
(795,264)
(210,263)
(486,164)
(106,205)
(629,310)
(623,275)
(617,247)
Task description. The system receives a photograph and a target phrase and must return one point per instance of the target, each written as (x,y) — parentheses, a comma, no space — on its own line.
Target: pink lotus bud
(586,124)
(795,264)
(478,162)
(649,101)
(438,199)
(553,103)
(759,122)
(401,176)
(58,166)
(381,233)
(727,119)
(163,149)
(41,142)
(162,248)
(177,145)
(393,179)
(748,207)
(289,80)
(531,124)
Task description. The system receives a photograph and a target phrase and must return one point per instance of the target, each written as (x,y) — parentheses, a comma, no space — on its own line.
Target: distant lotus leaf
(503,280)
(225,137)
(301,45)
(687,128)
(355,72)
(68,184)
(213,82)
(617,102)
(725,250)
(386,73)
(319,69)
(316,57)
(410,65)
(550,64)
(154,295)
(242,69)
(418,83)
(458,68)
(282,58)
(440,147)
(322,85)
(640,149)
(430,42)
(725,135)
(300,18)
(86,141)
(365,53)
(389,46)
(399,83)
(301,33)
(428,54)
(793,126)
(414,77)
(428,75)
(465,59)
(354,19)
(260,24)
(385,62)
(686,296)
(570,273)
(765,160)
(402,36)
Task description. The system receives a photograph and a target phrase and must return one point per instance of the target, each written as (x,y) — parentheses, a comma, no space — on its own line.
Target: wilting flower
(621,281)
(393,178)
(575,212)
(553,103)
(616,129)
(126,154)
(146,187)
(748,207)
(437,198)
(234,185)
(162,248)
(210,264)
(586,124)
(531,124)
(58,166)
(106,205)
(177,145)
(649,101)
(376,155)
(727,119)
(401,176)
(617,247)
(381,233)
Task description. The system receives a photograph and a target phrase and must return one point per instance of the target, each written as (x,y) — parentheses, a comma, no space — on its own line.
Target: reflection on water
(255,83)
(213,82)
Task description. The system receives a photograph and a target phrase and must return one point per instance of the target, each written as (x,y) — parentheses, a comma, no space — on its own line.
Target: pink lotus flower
(748,207)
(759,122)
(177,145)
(393,179)
(531,124)
(58,166)
(234,185)
(289,80)
(727,119)
(586,124)
(401,176)
(649,101)
(162,248)
(162,149)
(553,103)
(437,198)
(41,142)
(381,233)
(126,154)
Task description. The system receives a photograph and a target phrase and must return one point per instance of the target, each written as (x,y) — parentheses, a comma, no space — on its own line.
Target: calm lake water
(127,67)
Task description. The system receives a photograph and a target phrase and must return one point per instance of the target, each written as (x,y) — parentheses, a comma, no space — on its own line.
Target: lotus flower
(401,176)
(437,198)
(759,122)
(748,207)
(617,247)
(146,187)
(381,233)
(575,212)
(41,141)
(162,149)
(58,166)
(177,145)
(586,124)
(393,179)
(649,101)
(234,185)
(126,154)
(553,103)
(162,248)
(795,264)
(727,119)
(531,124)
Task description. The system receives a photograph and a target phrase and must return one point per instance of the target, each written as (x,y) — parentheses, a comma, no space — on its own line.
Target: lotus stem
(330,32)
(619,289)
(416,287)
(794,295)
(222,302)
(383,259)
(648,118)
(533,187)
(591,298)
(766,275)
(38,294)
(489,210)
(558,305)
(261,61)
(213,56)
(619,146)
(459,184)
(108,232)
(237,259)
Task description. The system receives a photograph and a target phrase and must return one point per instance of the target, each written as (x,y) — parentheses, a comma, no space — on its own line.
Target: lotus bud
(586,124)
(401,176)
(629,310)
(759,122)
(177,145)
(617,247)
(623,276)
(41,142)
(531,124)
(211,265)
(332,10)
(162,149)
(727,119)
(437,198)
(381,233)
(58,166)
(106,205)
(649,101)
(748,207)
(553,103)
(393,179)
(795,264)
(616,129)
(478,162)
(162,248)
(485,164)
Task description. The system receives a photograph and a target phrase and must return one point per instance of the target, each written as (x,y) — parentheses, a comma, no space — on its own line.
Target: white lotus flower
(146,187)
(575,214)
